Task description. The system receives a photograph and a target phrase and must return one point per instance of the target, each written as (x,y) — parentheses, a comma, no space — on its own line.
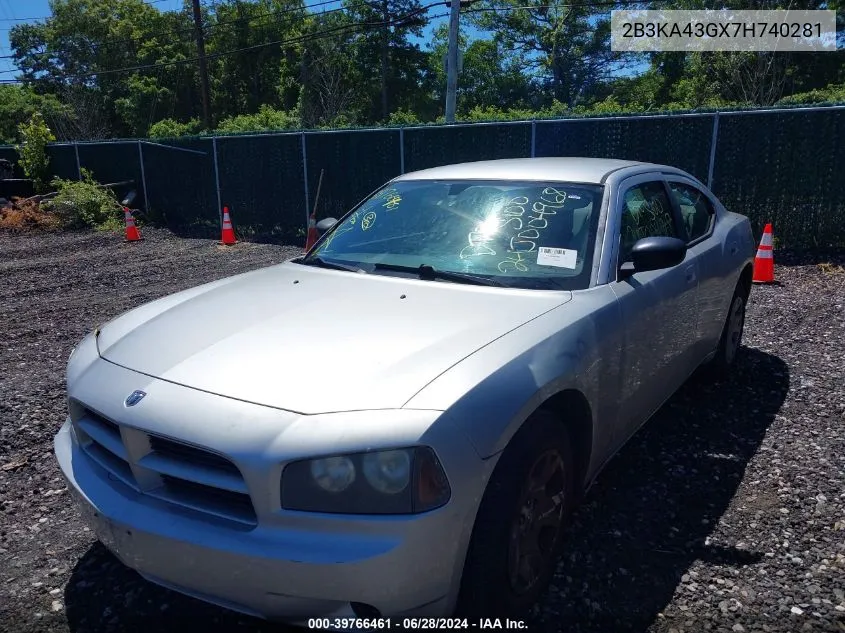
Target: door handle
(690,275)
(734,248)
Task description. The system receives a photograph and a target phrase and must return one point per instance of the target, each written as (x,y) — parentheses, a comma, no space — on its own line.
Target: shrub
(83,203)
(834,93)
(403,117)
(170,128)
(35,134)
(266,119)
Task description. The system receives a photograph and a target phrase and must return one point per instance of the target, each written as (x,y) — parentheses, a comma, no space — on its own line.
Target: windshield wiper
(316,260)
(427,272)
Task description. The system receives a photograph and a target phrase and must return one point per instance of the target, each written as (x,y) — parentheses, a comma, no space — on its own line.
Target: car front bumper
(277,573)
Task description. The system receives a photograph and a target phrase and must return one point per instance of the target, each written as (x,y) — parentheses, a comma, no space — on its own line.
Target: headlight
(388,472)
(399,481)
(333,474)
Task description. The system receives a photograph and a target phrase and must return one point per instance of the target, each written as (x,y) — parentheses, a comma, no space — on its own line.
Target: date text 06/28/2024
(415,624)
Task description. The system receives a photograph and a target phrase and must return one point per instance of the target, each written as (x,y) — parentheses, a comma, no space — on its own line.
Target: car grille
(175,472)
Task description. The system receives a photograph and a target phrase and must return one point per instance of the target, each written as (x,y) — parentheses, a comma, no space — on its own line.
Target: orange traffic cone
(312,233)
(132,232)
(228,234)
(764,262)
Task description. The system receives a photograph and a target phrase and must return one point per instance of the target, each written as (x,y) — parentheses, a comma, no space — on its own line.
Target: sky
(18,11)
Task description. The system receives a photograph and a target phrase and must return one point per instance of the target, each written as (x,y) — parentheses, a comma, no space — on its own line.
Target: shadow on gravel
(649,516)
(639,530)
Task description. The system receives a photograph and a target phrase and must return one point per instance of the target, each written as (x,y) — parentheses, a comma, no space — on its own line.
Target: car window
(533,235)
(646,212)
(696,210)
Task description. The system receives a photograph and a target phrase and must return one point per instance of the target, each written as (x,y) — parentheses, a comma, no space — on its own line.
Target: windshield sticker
(368,220)
(559,257)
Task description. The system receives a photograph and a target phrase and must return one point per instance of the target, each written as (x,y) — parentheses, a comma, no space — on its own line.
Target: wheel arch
(745,281)
(575,415)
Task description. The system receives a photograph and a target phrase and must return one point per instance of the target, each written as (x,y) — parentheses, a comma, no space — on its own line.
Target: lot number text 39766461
(416,624)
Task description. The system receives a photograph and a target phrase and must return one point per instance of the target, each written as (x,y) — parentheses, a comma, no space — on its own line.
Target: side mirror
(654,253)
(324,225)
(129,199)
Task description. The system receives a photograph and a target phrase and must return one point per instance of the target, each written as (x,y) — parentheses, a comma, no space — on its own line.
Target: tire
(730,343)
(490,586)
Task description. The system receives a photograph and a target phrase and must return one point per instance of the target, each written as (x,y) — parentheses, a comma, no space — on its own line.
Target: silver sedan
(400,422)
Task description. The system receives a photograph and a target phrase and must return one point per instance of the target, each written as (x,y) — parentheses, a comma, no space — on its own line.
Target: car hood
(313,340)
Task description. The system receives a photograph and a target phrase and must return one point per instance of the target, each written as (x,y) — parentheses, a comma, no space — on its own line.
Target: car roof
(566,169)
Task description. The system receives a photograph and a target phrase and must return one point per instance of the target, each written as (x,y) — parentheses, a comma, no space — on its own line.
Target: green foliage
(17,105)
(832,94)
(35,134)
(403,117)
(169,128)
(266,119)
(84,204)
(305,69)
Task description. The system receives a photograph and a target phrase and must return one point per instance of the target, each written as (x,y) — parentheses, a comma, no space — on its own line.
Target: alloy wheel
(537,523)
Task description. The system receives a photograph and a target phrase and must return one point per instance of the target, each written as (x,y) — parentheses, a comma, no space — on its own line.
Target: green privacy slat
(783,167)
(683,142)
(430,147)
(63,161)
(353,164)
(261,181)
(787,169)
(180,186)
(110,162)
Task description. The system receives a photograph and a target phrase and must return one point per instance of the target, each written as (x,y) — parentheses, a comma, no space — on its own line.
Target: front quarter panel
(575,346)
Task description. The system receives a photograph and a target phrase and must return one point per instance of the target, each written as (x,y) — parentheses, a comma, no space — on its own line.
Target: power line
(45,17)
(328,31)
(295,40)
(212,25)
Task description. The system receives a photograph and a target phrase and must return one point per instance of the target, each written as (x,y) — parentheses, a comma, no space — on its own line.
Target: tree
(18,103)
(76,51)
(392,68)
(35,135)
(565,47)
(243,81)
(489,77)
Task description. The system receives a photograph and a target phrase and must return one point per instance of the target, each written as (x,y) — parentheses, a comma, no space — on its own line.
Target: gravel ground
(725,513)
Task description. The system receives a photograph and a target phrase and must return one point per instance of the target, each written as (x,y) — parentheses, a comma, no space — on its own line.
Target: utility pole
(385,44)
(206,95)
(452,61)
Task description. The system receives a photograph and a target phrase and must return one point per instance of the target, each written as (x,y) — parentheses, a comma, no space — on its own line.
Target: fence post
(713,140)
(401,150)
(78,164)
(533,138)
(217,180)
(305,178)
(143,177)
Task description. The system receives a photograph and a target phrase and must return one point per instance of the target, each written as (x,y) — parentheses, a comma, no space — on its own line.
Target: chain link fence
(784,166)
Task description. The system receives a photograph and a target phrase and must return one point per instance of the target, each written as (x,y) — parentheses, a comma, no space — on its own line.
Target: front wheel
(731,339)
(516,539)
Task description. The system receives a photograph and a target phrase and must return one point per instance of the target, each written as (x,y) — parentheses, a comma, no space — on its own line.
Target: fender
(490,394)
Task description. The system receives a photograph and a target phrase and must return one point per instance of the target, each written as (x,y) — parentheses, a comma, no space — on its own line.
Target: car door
(658,308)
(698,221)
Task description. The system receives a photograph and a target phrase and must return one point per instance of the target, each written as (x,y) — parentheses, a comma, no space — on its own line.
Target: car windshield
(537,235)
